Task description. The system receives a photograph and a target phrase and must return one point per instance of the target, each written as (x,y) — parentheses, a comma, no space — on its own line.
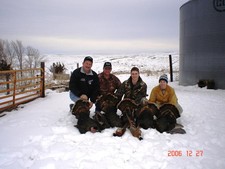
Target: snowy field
(41,134)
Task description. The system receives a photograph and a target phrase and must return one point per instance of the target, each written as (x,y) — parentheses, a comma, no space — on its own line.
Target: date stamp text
(187,153)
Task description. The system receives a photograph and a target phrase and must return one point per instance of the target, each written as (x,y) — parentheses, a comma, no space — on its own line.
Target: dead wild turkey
(84,122)
(107,104)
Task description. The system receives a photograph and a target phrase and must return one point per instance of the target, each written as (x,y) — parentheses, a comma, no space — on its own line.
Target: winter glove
(84,97)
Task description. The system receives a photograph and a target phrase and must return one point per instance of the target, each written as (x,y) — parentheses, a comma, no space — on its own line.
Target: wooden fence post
(14,87)
(171,68)
(43,79)
(7,80)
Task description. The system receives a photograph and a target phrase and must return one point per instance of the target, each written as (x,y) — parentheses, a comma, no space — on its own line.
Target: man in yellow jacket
(164,97)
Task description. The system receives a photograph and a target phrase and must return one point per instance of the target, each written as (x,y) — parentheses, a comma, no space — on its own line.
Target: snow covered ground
(41,134)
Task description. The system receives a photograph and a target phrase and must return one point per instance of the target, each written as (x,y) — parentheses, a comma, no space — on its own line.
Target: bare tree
(33,59)
(10,52)
(2,51)
(19,52)
(30,56)
(17,55)
(38,59)
(6,51)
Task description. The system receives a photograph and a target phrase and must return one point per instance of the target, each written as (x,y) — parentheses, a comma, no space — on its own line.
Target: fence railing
(21,86)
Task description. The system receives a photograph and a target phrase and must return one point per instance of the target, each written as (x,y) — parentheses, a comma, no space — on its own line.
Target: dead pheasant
(128,106)
(120,131)
(135,131)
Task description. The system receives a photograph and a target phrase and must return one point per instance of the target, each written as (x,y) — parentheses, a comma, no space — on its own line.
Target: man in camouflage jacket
(135,89)
(109,83)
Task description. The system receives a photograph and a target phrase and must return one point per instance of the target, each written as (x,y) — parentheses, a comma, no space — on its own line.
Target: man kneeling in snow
(105,106)
(164,97)
(84,85)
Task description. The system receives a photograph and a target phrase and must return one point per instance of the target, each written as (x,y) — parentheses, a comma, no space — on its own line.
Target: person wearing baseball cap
(109,83)
(107,65)
(84,85)
(88,58)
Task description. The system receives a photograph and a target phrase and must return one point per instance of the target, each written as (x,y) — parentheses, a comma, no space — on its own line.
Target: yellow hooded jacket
(159,98)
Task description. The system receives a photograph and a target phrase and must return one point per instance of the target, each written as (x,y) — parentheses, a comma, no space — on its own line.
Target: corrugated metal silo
(202,42)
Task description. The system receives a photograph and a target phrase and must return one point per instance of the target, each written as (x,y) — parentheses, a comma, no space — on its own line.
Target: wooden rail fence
(21,86)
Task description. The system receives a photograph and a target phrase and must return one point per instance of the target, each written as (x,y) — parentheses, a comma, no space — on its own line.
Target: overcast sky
(92,26)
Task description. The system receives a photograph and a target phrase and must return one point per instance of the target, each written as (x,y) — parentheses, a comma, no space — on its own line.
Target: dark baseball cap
(89,58)
(107,64)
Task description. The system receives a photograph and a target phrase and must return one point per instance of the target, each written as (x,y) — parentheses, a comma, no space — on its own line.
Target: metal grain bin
(202,42)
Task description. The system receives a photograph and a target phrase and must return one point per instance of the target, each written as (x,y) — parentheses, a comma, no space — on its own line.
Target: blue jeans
(73,97)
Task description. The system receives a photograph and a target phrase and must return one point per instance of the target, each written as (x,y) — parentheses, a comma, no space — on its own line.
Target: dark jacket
(134,92)
(82,83)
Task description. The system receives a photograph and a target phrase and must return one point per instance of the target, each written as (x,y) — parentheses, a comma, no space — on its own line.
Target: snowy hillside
(148,63)
(41,134)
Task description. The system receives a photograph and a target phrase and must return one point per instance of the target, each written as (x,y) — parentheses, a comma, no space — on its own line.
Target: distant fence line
(169,71)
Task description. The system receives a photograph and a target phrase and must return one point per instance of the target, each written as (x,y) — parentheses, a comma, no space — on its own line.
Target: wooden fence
(21,86)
